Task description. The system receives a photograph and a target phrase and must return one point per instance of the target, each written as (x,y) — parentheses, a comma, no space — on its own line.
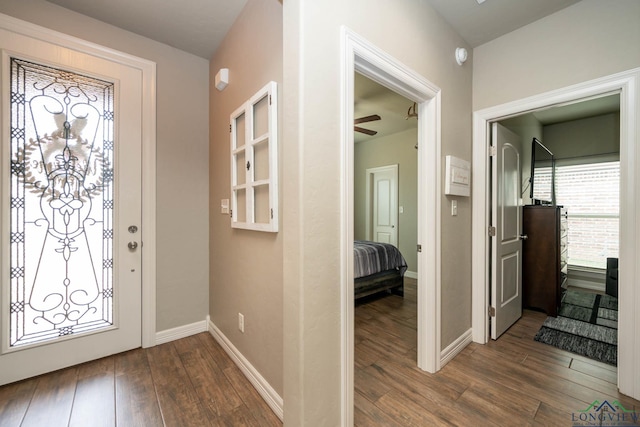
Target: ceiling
(199,26)
(195,26)
(481,23)
(579,110)
(373,98)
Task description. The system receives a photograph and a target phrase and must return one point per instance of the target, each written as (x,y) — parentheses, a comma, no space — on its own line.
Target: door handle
(523,237)
(133,245)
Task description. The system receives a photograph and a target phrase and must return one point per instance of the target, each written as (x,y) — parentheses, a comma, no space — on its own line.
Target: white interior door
(70,207)
(383,214)
(506,245)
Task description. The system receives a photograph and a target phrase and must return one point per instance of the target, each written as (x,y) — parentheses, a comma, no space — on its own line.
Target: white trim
(411,274)
(587,278)
(148,70)
(180,332)
(628,85)
(586,284)
(456,347)
(270,396)
(359,55)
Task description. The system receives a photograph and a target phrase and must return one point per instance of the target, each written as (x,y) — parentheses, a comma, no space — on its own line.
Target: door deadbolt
(132,229)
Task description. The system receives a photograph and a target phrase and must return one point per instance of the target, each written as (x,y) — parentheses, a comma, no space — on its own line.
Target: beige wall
(527,127)
(416,35)
(585,41)
(397,149)
(594,136)
(246,266)
(182,169)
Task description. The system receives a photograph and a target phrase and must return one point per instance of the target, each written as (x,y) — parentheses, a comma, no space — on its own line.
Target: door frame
(148,229)
(627,84)
(369,200)
(360,55)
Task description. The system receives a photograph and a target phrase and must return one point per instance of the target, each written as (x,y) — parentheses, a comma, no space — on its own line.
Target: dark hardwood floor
(509,382)
(188,382)
(192,382)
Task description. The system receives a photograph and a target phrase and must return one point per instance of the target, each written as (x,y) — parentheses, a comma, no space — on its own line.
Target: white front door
(506,245)
(383,213)
(70,207)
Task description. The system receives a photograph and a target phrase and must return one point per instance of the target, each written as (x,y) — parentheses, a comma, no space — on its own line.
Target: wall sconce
(222,79)
(461,55)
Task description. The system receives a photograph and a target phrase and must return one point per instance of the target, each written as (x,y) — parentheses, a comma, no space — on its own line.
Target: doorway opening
(626,84)
(366,59)
(568,208)
(385,229)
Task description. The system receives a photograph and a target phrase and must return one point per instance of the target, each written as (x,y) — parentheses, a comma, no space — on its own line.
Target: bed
(377,267)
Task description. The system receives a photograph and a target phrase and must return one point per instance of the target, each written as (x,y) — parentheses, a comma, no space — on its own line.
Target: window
(591,194)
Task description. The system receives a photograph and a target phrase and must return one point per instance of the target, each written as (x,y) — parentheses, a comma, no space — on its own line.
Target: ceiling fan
(371,118)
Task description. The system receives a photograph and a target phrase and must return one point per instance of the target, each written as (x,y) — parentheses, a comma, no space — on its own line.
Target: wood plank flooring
(192,382)
(188,382)
(509,382)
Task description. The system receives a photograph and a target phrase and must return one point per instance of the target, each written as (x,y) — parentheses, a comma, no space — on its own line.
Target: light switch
(454,208)
(224,206)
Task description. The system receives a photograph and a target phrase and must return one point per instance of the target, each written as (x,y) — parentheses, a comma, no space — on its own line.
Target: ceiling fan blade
(363,130)
(365,119)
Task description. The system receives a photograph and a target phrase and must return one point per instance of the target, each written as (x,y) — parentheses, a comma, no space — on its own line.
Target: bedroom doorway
(583,138)
(360,56)
(385,219)
(624,84)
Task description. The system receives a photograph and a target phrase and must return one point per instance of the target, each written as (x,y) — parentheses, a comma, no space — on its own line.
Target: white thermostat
(457,177)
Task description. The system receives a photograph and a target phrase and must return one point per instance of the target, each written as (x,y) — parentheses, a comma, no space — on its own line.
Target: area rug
(587,324)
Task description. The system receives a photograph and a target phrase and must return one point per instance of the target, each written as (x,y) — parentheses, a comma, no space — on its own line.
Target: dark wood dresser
(544,257)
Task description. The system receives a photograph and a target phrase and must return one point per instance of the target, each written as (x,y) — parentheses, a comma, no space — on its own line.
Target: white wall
(182,147)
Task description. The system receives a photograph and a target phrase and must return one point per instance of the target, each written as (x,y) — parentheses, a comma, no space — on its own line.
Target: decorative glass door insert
(61,203)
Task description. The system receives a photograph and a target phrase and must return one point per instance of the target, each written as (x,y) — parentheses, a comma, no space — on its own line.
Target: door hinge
(229,128)
(492,311)
(419,248)
(271,213)
(492,231)
(493,150)
(269,99)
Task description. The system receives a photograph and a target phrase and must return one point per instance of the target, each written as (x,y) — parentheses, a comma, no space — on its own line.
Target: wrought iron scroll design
(61,203)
